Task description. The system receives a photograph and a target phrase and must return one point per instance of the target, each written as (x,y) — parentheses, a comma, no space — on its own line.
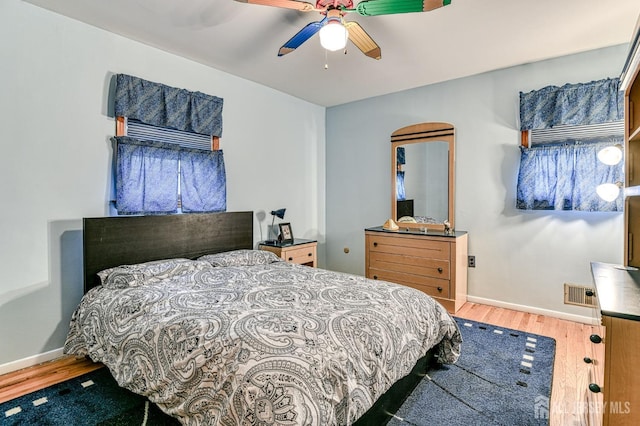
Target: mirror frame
(420,133)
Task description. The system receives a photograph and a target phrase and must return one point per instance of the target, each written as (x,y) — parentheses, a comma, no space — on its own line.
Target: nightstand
(302,252)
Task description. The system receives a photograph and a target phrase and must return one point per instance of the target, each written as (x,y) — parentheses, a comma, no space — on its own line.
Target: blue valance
(164,106)
(572,104)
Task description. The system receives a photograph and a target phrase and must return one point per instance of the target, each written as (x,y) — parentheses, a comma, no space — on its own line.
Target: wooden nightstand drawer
(302,252)
(301,255)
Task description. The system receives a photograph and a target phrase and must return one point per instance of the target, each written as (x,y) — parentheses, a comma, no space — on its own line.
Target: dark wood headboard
(120,240)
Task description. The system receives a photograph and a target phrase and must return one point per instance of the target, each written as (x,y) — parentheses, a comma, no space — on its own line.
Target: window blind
(141,131)
(567,132)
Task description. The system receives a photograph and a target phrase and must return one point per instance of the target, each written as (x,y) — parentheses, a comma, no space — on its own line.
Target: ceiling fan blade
(286,4)
(389,7)
(362,40)
(303,35)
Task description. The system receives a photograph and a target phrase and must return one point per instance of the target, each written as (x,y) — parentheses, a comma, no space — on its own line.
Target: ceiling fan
(334,30)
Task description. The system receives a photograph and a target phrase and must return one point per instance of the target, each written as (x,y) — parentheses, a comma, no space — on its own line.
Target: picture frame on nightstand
(286,234)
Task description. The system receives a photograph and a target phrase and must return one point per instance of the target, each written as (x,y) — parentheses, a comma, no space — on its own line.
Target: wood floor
(571,345)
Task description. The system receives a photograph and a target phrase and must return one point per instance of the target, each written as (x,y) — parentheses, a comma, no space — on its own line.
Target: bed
(183,310)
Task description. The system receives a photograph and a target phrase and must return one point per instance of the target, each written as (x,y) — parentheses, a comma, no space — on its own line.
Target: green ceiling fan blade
(389,7)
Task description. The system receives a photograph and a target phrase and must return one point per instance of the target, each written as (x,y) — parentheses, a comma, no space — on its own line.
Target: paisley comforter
(244,338)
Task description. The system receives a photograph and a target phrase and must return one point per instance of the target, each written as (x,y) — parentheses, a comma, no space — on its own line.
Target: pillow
(241,258)
(148,272)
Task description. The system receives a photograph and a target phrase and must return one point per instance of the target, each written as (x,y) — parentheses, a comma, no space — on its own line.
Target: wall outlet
(472,261)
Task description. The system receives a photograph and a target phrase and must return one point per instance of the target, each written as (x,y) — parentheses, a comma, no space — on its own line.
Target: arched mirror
(422,175)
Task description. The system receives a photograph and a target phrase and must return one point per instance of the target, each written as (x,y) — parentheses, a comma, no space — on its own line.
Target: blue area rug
(92,399)
(503,377)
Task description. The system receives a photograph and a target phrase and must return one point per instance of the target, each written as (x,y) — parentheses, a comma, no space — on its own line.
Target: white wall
(56,158)
(523,257)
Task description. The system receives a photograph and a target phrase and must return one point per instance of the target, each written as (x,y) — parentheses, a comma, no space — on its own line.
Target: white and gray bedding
(244,338)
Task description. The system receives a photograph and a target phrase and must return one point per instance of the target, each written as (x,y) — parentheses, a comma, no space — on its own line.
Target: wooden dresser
(431,261)
(613,392)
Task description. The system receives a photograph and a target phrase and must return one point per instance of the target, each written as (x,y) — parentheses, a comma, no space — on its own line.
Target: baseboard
(532,310)
(30,361)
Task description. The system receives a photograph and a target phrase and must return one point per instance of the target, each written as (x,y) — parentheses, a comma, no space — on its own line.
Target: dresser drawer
(300,255)
(416,247)
(431,286)
(432,268)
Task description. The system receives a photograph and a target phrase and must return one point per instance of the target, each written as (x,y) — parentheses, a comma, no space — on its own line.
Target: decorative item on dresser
(431,261)
(302,252)
(613,392)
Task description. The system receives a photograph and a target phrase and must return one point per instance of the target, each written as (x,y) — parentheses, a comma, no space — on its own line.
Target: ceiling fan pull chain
(326,60)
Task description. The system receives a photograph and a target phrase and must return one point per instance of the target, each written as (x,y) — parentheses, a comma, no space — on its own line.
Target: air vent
(579,295)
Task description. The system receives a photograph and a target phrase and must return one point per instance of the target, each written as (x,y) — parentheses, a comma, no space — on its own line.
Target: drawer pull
(587,360)
(594,388)
(375,244)
(290,259)
(595,338)
(375,277)
(440,270)
(310,254)
(440,289)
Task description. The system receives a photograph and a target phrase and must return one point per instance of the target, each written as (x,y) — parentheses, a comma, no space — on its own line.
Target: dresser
(432,261)
(300,251)
(613,392)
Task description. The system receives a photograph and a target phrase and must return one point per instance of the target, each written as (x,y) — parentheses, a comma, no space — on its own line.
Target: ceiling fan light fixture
(333,35)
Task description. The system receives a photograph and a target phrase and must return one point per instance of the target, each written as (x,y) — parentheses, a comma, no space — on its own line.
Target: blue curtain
(400,192)
(164,106)
(565,177)
(146,177)
(401,158)
(203,182)
(572,104)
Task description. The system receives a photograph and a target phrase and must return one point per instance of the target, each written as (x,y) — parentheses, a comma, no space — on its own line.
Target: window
(565,131)
(164,161)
